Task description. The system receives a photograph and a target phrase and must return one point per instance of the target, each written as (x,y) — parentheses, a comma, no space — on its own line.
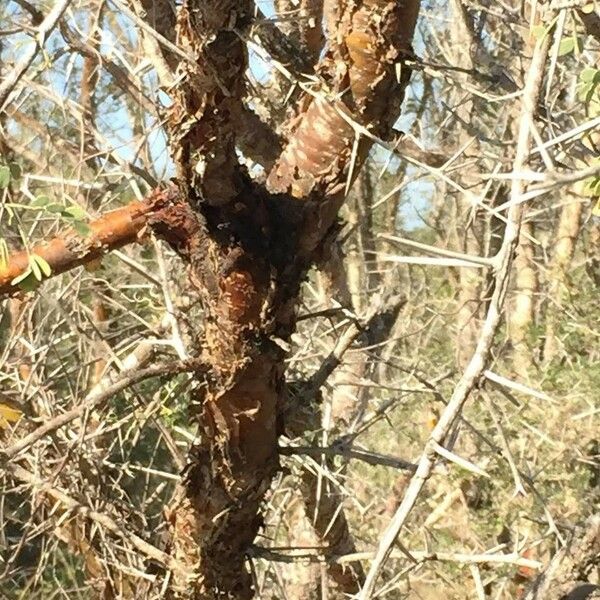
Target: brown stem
(316,162)
(111,231)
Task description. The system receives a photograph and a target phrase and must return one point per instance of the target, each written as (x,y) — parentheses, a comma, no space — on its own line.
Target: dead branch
(479,361)
(103,520)
(98,396)
(45,28)
(419,555)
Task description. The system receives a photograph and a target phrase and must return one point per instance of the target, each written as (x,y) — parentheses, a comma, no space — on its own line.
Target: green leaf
(26,280)
(538,32)
(3,254)
(4,176)
(21,277)
(35,268)
(588,9)
(29,284)
(589,74)
(42,264)
(40,201)
(15,170)
(55,208)
(166,411)
(586,91)
(591,188)
(76,212)
(566,46)
(82,228)
(589,79)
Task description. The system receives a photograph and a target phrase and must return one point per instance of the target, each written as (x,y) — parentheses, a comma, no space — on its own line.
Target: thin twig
(101,519)
(314,555)
(478,363)
(45,28)
(98,396)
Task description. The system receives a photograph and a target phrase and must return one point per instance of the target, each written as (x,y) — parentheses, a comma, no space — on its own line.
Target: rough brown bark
(260,247)
(248,292)
(226,234)
(574,572)
(302,22)
(248,250)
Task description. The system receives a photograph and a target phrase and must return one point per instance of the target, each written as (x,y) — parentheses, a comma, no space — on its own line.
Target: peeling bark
(248,289)
(301,20)
(207,105)
(315,163)
(247,249)
(160,15)
(259,247)
(110,232)
(257,140)
(573,572)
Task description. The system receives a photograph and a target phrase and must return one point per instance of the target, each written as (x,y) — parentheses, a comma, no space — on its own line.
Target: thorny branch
(255,204)
(44,29)
(96,398)
(110,232)
(478,363)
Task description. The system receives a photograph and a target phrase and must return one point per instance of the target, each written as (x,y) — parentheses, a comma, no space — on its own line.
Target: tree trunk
(248,252)
(301,21)
(564,242)
(469,226)
(248,246)
(523,309)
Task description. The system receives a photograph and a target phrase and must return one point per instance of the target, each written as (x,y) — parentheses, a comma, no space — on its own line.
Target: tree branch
(41,34)
(104,520)
(478,363)
(325,152)
(111,231)
(95,398)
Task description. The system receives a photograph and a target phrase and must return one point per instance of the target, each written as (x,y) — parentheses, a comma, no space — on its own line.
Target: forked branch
(478,363)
